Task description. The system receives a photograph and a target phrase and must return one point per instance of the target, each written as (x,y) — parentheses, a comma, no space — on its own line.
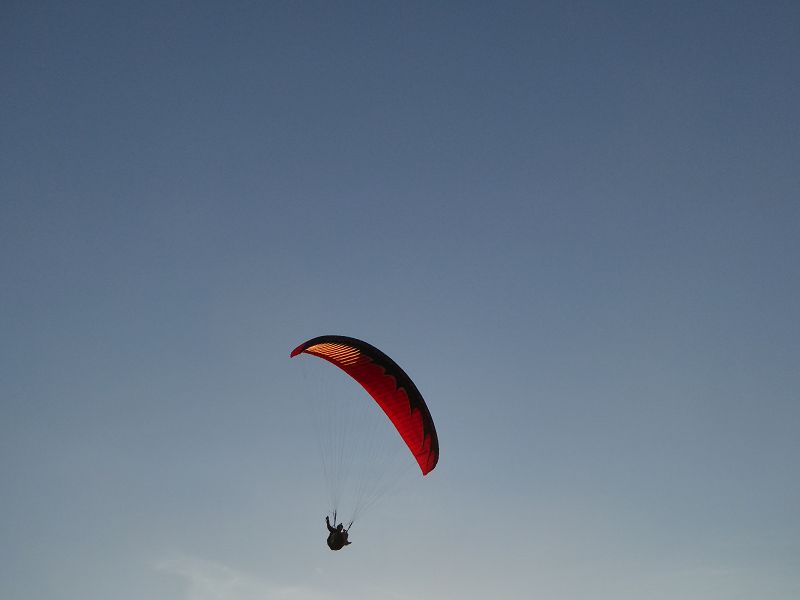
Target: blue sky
(576,225)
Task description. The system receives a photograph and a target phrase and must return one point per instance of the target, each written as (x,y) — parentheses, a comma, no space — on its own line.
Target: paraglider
(337,536)
(393,391)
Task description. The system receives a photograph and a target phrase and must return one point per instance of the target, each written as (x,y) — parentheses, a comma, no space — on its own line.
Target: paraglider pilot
(337,536)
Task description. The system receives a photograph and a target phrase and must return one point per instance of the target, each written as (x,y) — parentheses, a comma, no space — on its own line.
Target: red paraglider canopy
(388,385)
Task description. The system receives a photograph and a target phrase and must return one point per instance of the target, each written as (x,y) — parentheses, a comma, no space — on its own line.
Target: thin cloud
(208,580)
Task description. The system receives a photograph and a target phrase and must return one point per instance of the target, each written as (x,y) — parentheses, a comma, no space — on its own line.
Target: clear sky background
(576,225)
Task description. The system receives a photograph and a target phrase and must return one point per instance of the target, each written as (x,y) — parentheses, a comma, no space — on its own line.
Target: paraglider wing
(388,385)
